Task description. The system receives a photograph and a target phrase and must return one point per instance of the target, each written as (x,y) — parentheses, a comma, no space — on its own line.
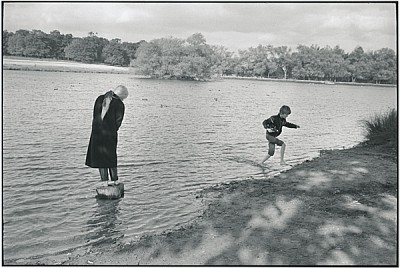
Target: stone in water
(110,191)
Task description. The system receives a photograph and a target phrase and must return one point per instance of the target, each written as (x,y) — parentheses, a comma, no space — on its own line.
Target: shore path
(337,209)
(61,66)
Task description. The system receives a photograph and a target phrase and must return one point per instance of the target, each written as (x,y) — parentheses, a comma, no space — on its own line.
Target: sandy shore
(337,209)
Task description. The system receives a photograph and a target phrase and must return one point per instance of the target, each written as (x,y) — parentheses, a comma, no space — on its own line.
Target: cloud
(234,25)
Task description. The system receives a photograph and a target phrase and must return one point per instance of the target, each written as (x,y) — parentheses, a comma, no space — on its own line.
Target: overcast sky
(233,25)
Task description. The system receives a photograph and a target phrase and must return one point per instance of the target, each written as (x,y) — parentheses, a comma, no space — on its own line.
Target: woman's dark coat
(102,150)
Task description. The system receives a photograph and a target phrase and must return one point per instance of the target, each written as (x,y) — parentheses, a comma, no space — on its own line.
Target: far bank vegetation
(193,59)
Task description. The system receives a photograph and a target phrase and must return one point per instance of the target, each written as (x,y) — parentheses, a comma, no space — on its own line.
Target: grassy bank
(48,65)
(382,129)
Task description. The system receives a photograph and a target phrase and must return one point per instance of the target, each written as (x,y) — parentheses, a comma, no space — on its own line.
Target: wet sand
(337,209)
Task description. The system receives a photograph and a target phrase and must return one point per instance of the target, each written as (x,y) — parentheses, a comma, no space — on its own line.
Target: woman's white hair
(121,92)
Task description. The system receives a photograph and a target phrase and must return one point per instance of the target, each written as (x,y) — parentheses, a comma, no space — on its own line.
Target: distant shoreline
(49,65)
(328,83)
(46,65)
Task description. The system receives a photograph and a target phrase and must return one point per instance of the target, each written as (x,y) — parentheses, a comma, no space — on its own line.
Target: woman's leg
(104,175)
(114,174)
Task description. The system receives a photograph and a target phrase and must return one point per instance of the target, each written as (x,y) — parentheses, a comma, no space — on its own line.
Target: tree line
(192,58)
(188,59)
(90,49)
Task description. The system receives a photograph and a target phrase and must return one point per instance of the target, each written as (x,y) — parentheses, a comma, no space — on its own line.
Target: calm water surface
(177,138)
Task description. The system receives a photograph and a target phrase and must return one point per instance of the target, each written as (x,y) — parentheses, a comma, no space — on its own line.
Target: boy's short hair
(285,110)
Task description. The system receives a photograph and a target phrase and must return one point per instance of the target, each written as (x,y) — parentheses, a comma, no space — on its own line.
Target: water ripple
(177,138)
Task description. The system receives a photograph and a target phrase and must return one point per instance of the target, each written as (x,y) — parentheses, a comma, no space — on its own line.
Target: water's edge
(206,198)
(178,139)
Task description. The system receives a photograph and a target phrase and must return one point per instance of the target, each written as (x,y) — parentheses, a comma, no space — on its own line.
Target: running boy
(274,125)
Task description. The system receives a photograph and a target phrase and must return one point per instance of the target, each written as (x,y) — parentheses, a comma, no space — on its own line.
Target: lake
(176,139)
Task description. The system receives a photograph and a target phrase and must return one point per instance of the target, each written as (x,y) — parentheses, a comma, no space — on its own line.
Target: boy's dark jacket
(275,123)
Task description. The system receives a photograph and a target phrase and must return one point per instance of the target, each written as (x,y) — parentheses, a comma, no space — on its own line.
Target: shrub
(382,129)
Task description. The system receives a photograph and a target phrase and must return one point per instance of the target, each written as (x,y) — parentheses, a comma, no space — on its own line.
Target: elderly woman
(108,114)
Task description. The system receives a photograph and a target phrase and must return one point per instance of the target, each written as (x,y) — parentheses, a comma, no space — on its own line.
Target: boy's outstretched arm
(291,125)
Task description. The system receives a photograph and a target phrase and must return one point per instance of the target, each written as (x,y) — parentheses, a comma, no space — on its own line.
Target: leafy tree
(332,63)
(59,42)
(131,48)
(6,36)
(283,59)
(171,57)
(258,60)
(261,61)
(196,40)
(17,44)
(302,60)
(37,44)
(171,50)
(82,50)
(221,63)
(115,54)
(88,49)
(339,70)
(148,59)
(359,66)
(244,66)
(193,58)
(384,66)
(96,43)
(272,67)
(197,57)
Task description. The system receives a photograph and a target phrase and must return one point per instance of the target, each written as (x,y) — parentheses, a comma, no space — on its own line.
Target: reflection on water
(104,225)
(177,138)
